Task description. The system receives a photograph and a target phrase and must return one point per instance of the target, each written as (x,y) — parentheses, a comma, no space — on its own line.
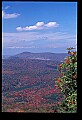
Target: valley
(28,85)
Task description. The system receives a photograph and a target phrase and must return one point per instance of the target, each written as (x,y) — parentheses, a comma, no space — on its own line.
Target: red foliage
(60,65)
(59,80)
(67,61)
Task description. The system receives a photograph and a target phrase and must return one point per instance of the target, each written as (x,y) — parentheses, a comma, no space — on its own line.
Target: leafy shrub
(67,82)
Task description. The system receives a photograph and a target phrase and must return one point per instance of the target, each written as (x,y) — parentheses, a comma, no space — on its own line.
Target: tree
(67,82)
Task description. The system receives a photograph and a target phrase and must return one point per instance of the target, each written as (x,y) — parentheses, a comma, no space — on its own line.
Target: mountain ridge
(40,56)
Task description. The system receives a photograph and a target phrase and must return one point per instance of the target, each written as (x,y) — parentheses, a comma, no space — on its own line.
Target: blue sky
(38,26)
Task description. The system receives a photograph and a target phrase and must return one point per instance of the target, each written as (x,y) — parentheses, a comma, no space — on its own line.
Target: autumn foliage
(67,82)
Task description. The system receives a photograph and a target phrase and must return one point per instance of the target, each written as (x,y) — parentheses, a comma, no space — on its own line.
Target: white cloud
(37,40)
(30,36)
(31,40)
(59,45)
(51,24)
(14,37)
(38,26)
(30,28)
(60,36)
(8,16)
(21,47)
(7,7)
(19,28)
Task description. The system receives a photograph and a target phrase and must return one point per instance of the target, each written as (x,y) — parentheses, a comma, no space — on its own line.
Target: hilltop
(40,56)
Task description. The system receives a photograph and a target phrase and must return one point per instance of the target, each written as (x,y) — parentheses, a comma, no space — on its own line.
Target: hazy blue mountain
(41,56)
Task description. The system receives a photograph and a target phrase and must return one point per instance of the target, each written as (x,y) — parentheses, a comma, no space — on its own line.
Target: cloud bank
(8,16)
(38,26)
(38,40)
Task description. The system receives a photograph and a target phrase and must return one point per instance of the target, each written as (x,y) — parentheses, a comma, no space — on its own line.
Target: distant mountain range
(39,56)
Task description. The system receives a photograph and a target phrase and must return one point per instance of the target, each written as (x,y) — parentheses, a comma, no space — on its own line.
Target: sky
(38,27)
